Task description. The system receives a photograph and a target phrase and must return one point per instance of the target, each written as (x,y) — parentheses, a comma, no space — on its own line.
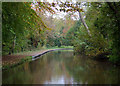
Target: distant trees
(58,35)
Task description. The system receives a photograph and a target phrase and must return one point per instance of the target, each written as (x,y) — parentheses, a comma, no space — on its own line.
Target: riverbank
(18,58)
(15,58)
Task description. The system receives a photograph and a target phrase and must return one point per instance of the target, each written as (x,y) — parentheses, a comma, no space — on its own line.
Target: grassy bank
(40,49)
(56,47)
(21,57)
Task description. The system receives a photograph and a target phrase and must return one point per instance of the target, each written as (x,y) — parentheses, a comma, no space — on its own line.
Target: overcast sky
(62,14)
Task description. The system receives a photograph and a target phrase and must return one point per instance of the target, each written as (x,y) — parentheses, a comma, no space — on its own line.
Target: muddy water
(62,67)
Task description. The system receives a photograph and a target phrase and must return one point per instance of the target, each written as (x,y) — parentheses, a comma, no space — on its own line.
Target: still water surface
(62,67)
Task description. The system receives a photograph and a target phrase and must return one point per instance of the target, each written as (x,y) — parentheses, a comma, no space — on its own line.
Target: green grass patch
(56,47)
(27,52)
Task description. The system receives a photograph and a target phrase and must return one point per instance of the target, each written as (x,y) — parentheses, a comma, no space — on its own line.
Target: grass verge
(29,58)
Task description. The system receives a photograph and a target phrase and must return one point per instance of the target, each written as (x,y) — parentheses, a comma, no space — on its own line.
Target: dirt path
(15,58)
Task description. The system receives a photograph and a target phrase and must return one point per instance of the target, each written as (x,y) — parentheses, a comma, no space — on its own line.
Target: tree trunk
(84,23)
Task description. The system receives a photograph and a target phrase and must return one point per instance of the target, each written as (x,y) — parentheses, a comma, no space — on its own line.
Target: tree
(21,27)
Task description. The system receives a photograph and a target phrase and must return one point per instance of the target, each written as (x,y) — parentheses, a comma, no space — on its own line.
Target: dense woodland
(94,31)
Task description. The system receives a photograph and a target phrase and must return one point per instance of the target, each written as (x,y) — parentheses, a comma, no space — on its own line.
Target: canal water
(62,67)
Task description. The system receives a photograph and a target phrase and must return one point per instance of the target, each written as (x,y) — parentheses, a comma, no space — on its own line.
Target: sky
(57,0)
(61,14)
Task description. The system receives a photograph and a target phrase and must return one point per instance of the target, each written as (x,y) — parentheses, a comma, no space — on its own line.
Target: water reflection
(62,67)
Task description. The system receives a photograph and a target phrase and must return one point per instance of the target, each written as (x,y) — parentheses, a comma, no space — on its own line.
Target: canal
(62,67)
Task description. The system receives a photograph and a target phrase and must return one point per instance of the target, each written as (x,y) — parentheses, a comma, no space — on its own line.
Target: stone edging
(38,55)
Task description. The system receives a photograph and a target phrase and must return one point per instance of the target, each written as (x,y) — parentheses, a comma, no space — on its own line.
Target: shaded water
(62,67)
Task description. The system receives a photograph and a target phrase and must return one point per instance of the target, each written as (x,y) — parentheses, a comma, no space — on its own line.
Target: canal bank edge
(31,58)
(35,56)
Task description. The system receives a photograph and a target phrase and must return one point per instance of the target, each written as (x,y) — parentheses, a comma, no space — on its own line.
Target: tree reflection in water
(62,67)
